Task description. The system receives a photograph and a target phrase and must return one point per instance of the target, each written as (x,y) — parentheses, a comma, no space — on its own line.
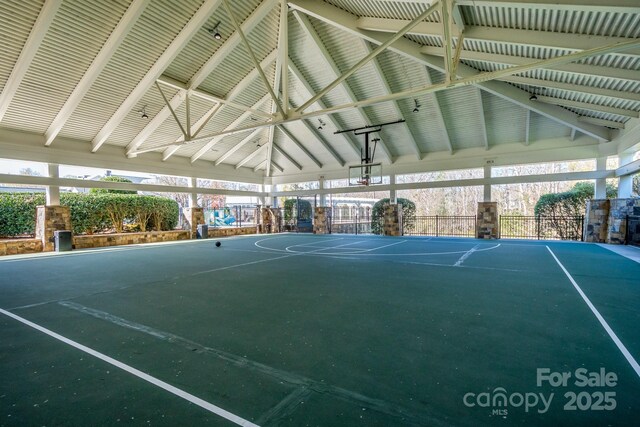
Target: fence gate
(542,227)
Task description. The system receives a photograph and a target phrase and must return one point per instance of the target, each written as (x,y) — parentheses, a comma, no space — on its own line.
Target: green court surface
(339,330)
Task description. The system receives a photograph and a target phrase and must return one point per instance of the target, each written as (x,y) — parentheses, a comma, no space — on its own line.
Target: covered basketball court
(281,99)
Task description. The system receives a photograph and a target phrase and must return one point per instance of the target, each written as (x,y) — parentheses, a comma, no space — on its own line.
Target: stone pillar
(601,183)
(322,220)
(487,187)
(271,220)
(194,216)
(392,216)
(595,221)
(53,191)
(488,221)
(50,219)
(617,221)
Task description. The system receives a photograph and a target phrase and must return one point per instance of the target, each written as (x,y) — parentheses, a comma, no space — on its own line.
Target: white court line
(603,322)
(466,255)
(146,377)
(386,246)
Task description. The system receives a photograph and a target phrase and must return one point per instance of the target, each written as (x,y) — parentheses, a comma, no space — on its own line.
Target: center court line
(605,325)
(146,377)
(466,255)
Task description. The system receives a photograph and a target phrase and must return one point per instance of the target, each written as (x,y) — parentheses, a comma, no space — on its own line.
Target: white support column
(625,183)
(193,197)
(274,199)
(601,183)
(487,187)
(53,191)
(323,196)
(393,197)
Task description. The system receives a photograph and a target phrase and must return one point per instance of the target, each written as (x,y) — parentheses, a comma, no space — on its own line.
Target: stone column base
(392,220)
(50,219)
(194,216)
(322,220)
(488,221)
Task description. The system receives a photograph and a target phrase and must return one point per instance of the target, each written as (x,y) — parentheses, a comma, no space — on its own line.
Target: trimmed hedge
(377,213)
(569,203)
(112,191)
(90,213)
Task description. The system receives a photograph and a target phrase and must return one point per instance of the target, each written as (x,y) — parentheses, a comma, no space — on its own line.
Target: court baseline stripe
(146,377)
(605,325)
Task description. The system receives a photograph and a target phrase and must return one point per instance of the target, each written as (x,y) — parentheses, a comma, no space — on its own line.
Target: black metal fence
(353,225)
(542,227)
(441,225)
(231,216)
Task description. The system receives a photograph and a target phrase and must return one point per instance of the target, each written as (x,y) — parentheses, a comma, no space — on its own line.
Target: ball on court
(218,244)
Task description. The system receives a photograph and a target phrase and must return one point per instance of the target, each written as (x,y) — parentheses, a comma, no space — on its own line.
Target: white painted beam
(580,69)
(287,156)
(313,35)
(483,121)
(384,84)
(101,60)
(29,51)
(283,52)
(252,55)
(300,146)
(236,147)
(231,43)
(179,42)
(330,118)
(437,113)
(533,38)
(237,122)
(601,122)
(620,6)
(251,156)
(260,165)
(324,143)
(347,22)
(587,106)
(590,90)
(628,169)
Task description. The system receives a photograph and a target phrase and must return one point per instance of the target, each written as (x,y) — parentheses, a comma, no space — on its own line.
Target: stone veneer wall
(322,220)
(118,239)
(488,221)
(617,221)
(194,216)
(20,246)
(231,231)
(596,220)
(50,219)
(392,220)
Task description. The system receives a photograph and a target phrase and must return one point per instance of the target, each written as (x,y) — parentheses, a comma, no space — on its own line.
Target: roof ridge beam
(28,53)
(149,79)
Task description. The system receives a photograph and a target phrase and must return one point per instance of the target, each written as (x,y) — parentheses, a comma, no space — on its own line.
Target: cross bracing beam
(179,42)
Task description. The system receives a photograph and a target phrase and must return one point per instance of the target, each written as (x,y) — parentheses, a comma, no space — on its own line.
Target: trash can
(62,240)
(203,231)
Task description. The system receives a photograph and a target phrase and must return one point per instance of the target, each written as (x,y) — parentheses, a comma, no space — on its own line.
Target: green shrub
(377,215)
(569,203)
(90,213)
(111,191)
(18,213)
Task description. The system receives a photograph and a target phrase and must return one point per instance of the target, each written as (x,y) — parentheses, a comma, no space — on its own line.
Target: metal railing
(352,225)
(231,216)
(441,225)
(542,227)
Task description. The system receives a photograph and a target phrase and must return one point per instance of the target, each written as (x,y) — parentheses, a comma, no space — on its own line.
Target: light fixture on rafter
(322,124)
(214,31)
(417,106)
(533,97)
(143,112)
